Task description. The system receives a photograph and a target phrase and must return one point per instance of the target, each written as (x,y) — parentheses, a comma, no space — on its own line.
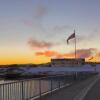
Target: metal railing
(35,88)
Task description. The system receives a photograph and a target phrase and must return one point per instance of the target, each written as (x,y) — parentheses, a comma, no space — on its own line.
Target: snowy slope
(86,68)
(52,70)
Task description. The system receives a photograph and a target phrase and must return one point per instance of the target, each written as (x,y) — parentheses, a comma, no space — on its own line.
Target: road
(94,93)
(69,93)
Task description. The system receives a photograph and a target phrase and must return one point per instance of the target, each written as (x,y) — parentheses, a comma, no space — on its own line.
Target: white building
(67,62)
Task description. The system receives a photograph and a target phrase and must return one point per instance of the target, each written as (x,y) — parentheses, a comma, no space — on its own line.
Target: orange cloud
(81,53)
(54,54)
(97,54)
(85,53)
(39,44)
(47,53)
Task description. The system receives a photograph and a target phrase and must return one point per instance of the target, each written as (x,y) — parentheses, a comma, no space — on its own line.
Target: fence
(35,88)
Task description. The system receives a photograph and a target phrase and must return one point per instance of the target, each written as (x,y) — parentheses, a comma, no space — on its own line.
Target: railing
(35,88)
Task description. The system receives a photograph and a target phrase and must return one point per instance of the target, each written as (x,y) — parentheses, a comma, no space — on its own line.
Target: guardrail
(35,88)
(32,88)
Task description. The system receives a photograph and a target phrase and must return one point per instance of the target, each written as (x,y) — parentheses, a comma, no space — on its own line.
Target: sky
(34,31)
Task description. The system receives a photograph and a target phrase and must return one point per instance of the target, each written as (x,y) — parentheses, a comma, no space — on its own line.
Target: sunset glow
(35,31)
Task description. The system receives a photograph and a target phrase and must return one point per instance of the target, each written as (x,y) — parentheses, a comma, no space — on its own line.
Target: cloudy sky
(34,31)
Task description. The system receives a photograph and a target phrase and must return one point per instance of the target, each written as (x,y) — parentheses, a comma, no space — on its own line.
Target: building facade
(67,62)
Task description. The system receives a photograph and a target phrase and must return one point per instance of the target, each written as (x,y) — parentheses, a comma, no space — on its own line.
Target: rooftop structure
(67,62)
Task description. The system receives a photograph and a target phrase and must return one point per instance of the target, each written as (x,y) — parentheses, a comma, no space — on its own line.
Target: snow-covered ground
(84,68)
(52,70)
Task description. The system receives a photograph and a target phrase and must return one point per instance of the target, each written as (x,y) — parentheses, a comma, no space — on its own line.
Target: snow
(83,68)
(54,70)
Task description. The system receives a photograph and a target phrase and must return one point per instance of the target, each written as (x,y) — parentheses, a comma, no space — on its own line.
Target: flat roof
(69,59)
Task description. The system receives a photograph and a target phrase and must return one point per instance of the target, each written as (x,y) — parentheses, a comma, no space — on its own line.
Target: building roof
(67,59)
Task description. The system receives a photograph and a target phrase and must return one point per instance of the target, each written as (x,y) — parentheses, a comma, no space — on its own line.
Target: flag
(71,37)
(91,58)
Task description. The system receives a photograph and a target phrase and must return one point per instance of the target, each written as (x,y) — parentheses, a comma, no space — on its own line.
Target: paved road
(94,93)
(70,92)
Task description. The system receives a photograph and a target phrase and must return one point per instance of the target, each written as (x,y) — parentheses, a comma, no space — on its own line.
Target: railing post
(0,93)
(22,91)
(51,87)
(40,87)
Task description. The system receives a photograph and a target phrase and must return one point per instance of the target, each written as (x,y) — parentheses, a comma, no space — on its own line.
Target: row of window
(64,63)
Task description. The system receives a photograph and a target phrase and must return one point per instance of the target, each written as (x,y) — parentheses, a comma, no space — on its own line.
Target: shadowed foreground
(69,93)
(94,93)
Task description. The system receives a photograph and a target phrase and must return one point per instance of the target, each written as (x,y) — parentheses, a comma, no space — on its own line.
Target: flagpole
(71,37)
(75,44)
